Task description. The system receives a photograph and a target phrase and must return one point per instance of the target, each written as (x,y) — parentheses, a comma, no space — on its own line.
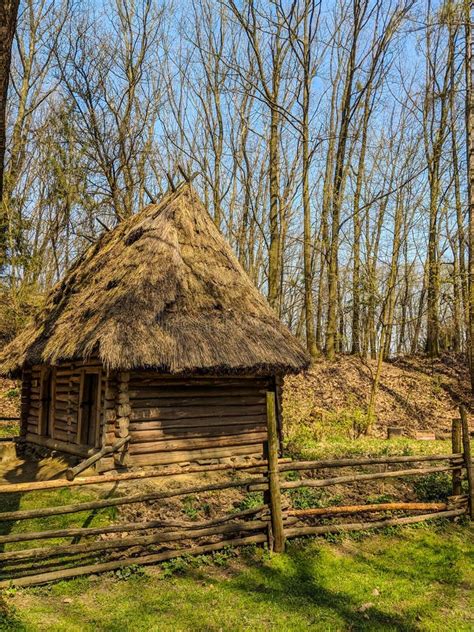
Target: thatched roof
(162,290)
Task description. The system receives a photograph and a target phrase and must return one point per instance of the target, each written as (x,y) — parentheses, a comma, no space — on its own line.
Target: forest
(171,456)
(328,141)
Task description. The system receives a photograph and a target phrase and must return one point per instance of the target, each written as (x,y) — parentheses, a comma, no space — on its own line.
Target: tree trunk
(470,144)
(8,17)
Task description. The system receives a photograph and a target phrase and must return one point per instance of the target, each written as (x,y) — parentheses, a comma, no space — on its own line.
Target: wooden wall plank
(209,423)
(190,444)
(176,420)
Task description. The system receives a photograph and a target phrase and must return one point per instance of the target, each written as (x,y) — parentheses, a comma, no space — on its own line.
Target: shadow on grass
(427,561)
(9,619)
(296,587)
(11,502)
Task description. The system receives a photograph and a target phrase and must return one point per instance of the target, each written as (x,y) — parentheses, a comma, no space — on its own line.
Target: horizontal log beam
(365,526)
(162,401)
(319,465)
(125,527)
(124,543)
(15,488)
(169,444)
(26,514)
(66,573)
(147,391)
(354,509)
(170,457)
(199,433)
(61,446)
(166,428)
(327,482)
(174,414)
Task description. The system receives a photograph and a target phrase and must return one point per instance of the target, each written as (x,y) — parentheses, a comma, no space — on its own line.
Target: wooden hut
(155,333)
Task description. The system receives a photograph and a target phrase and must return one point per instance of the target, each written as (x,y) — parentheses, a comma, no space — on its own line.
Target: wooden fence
(94,549)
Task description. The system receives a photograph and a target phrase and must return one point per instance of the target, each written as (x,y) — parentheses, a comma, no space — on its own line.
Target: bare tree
(8,17)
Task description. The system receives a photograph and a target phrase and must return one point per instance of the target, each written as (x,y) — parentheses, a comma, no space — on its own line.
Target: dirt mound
(415,393)
(9,398)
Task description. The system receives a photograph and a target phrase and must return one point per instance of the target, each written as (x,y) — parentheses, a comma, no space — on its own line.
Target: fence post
(273,476)
(456,442)
(467,460)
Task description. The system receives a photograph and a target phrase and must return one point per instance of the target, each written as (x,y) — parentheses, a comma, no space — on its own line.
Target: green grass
(411,579)
(9,429)
(301,446)
(416,578)
(37,500)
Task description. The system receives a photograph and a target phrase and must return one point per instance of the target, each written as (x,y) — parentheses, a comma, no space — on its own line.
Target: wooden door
(47,403)
(89,409)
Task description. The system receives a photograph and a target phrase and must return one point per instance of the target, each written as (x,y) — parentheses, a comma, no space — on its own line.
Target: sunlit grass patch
(300,445)
(53,498)
(413,579)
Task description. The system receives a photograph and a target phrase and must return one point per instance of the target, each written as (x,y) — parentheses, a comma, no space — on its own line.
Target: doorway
(89,409)
(47,403)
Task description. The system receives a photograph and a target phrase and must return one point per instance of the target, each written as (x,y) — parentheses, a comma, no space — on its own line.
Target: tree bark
(8,18)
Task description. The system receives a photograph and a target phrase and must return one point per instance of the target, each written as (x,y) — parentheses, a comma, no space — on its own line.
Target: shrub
(252,500)
(348,423)
(437,486)
(189,507)
(306,497)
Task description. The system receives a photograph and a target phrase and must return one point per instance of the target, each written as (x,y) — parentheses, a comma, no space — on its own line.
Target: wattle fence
(74,551)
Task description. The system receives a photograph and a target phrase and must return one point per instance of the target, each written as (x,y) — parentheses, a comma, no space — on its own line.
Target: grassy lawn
(412,579)
(37,500)
(300,445)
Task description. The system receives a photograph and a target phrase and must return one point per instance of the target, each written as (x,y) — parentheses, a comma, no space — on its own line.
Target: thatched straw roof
(162,290)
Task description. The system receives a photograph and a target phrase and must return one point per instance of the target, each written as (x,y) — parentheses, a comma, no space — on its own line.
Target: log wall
(66,394)
(176,420)
(32,413)
(170,420)
(68,382)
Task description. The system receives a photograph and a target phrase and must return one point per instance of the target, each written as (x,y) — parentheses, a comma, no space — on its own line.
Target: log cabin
(156,333)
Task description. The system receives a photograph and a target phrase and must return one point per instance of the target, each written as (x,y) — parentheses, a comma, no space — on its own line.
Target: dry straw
(163,290)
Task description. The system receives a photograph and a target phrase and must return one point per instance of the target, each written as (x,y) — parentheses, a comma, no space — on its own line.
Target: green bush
(189,507)
(437,486)
(306,497)
(252,500)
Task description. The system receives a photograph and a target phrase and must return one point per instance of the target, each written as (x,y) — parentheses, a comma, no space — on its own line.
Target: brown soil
(9,398)
(415,393)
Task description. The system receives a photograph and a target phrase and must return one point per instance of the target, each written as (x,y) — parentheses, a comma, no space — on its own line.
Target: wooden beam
(366,526)
(25,514)
(15,488)
(66,573)
(72,472)
(327,482)
(61,446)
(122,527)
(456,442)
(273,476)
(354,509)
(46,552)
(383,460)
(466,441)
